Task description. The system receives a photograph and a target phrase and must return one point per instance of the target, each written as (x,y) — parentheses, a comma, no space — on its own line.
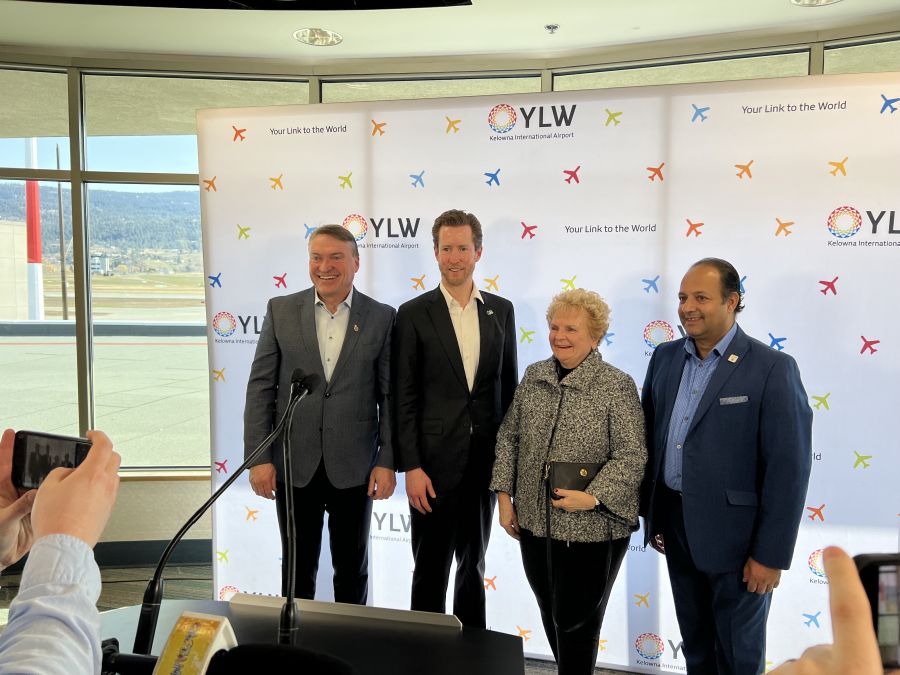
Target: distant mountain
(125,221)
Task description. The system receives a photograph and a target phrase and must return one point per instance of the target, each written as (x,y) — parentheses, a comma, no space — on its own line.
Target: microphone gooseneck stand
(289,625)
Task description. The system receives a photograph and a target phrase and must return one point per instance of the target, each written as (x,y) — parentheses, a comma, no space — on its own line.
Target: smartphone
(879,573)
(36,454)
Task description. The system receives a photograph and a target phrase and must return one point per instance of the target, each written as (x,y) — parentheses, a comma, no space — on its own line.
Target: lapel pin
(355,328)
(733,358)
(490,312)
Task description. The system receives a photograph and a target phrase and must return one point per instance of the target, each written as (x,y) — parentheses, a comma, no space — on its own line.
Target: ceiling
(487,29)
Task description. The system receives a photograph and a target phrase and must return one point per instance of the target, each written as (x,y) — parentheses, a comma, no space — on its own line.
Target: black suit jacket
(435,415)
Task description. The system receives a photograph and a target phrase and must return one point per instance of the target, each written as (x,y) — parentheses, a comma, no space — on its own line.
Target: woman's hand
(509,521)
(573,500)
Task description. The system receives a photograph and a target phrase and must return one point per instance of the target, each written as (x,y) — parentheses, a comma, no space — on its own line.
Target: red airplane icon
(693,227)
(528,229)
(490,582)
(868,344)
(816,513)
(655,172)
(572,174)
(222,467)
(279,281)
(238,133)
(828,286)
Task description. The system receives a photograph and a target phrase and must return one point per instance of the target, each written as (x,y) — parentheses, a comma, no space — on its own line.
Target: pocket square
(731,400)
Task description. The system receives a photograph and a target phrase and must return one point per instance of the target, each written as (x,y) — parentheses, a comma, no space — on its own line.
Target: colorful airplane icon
(642,599)
(219,375)
(276,182)
(812,619)
(419,282)
(222,467)
(655,172)
(452,125)
(572,175)
(693,227)
(309,230)
(775,343)
(417,178)
(490,583)
(608,338)
(889,103)
(744,170)
(651,283)
(828,286)
(613,118)
(861,460)
(378,128)
(222,555)
(279,280)
(526,336)
(215,280)
(492,178)
(699,113)
(815,513)
(783,226)
(210,184)
(528,229)
(569,284)
(243,232)
(868,344)
(345,181)
(743,279)
(524,633)
(238,134)
(821,400)
(838,166)
(492,283)
(601,645)
(251,513)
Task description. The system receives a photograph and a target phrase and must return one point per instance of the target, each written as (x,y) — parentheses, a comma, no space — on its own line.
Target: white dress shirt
(465,325)
(330,332)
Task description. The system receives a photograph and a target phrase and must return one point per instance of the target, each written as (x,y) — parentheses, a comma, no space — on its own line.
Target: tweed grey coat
(598,418)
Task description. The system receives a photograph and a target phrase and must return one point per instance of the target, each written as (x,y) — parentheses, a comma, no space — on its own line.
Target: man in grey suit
(341,435)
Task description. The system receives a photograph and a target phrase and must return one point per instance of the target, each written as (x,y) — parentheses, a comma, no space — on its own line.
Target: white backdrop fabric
(575,201)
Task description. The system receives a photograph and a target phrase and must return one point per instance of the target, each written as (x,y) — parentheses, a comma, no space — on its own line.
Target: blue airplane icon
(492,178)
(776,342)
(608,337)
(743,279)
(889,103)
(813,619)
(309,230)
(699,112)
(651,283)
(417,178)
(215,280)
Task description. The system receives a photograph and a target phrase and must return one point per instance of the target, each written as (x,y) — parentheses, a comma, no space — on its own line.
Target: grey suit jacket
(346,423)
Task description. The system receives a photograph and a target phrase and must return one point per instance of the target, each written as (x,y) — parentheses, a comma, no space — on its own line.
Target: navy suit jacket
(747,454)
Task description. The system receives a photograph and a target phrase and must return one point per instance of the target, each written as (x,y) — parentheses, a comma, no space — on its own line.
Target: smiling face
(456,256)
(704,313)
(332,267)
(570,336)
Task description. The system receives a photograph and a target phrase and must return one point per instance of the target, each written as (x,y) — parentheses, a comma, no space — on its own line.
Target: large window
(386,90)
(34,119)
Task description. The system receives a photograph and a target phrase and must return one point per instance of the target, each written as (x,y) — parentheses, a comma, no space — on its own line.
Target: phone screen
(37,454)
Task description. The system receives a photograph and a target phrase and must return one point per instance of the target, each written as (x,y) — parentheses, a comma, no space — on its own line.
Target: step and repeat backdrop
(795,181)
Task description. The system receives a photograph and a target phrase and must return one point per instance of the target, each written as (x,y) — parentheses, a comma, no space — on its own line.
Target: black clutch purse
(571,475)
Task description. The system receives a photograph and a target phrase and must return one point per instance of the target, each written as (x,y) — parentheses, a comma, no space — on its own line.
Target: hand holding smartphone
(35,454)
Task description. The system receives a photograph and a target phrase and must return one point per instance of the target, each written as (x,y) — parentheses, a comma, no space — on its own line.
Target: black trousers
(349,515)
(572,604)
(722,624)
(459,525)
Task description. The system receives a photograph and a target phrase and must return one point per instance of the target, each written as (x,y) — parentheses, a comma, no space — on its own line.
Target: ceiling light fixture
(318,37)
(813,3)
(551,28)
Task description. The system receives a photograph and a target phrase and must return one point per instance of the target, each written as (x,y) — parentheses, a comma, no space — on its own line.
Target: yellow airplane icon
(219,375)
(838,166)
(783,226)
(612,117)
(452,125)
(492,283)
(345,181)
(210,184)
(643,599)
(861,460)
(243,232)
(744,170)
(378,128)
(601,645)
(418,282)
(526,335)
(569,284)
(524,633)
(276,182)
(822,400)
(223,555)
(251,513)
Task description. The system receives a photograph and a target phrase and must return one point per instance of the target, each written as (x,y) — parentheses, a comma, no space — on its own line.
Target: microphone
(301,385)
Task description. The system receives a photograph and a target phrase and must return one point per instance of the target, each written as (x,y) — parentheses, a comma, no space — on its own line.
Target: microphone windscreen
(311,382)
(276,659)
(297,375)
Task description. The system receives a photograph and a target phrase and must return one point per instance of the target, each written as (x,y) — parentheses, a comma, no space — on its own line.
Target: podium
(374,640)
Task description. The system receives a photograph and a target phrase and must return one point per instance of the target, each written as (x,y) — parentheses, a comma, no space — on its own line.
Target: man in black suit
(454,372)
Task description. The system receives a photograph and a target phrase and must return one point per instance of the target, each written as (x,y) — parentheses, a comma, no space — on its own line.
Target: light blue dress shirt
(694,379)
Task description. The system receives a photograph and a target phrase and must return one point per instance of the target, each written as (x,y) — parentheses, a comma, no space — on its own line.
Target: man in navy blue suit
(729,433)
